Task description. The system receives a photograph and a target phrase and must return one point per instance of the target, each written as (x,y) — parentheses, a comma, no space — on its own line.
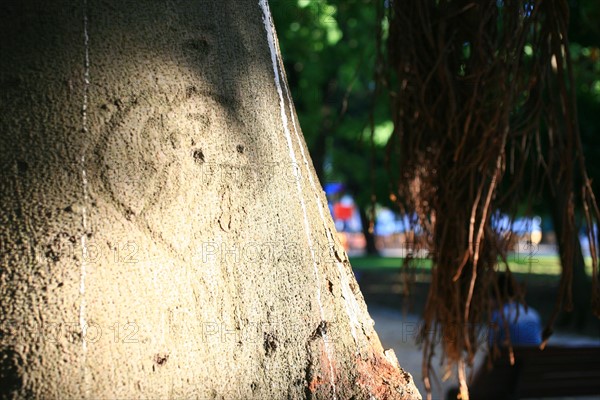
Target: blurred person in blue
(524,323)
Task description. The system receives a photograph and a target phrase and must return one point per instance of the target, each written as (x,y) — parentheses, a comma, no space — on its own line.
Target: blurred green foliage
(329,51)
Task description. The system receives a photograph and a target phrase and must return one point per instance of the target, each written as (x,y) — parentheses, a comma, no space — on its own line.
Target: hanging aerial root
(484,114)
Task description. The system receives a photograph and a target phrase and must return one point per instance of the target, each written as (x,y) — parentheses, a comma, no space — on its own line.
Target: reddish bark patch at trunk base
(383,377)
(315,383)
(321,384)
(376,376)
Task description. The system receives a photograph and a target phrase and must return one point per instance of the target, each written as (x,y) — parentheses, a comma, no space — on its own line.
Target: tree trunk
(163,233)
(582,285)
(370,246)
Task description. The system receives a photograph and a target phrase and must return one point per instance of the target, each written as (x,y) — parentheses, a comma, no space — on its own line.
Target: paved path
(399,332)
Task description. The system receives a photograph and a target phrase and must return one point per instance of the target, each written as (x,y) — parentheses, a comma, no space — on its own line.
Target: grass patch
(521,264)
(368,263)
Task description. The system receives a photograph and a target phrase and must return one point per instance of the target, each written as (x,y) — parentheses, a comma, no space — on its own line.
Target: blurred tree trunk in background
(571,254)
(371,247)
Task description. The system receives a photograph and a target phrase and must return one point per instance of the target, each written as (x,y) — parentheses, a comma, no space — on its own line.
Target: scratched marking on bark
(274,59)
(350,304)
(84,181)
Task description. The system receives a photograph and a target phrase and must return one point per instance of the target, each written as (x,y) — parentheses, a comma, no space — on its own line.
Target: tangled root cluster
(484,110)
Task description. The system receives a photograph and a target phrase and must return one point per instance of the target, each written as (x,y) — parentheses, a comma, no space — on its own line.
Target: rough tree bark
(163,234)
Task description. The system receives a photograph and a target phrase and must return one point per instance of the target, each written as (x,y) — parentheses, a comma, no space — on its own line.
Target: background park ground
(385,282)
(396,307)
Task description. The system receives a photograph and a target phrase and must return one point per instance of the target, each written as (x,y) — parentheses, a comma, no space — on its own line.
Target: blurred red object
(342,211)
